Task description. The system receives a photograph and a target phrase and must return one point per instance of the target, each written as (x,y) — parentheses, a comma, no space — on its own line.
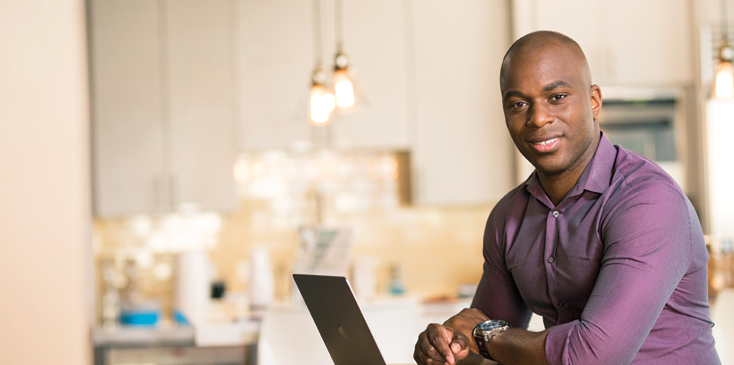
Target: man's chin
(548,169)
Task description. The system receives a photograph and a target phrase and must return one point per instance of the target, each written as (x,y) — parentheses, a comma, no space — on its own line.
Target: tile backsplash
(436,248)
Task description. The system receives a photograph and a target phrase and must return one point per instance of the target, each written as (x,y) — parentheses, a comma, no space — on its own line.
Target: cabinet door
(200,104)
(374,40)
(274,61)
(649,42)
(627,42)
(126,94)
(462,150)
(580,20)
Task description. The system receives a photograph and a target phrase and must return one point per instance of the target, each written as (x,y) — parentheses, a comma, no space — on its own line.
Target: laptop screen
(339,320)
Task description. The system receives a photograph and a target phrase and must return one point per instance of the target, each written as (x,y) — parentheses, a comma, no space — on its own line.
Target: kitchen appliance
(648,121)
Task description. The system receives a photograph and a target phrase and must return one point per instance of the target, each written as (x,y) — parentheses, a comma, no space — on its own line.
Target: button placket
(552,227)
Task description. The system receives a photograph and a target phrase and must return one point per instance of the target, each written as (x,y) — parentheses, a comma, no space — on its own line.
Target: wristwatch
(486,330)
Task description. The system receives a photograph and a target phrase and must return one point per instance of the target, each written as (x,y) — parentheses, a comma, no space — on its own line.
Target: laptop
(339,320)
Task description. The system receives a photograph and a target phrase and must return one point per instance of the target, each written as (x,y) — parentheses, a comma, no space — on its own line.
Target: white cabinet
(627,42)
(649,42)
(275,59)
(428,69)
(162,105)
(375,41)
(274,63)
(462,152)
(201,104)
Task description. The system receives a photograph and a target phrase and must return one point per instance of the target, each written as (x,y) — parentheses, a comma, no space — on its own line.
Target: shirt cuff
(556,343)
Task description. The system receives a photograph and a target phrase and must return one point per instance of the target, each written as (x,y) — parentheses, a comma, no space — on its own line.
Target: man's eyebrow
(510,93)
(555,85)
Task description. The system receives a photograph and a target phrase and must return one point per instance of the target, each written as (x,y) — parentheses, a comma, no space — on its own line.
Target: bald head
(532,45)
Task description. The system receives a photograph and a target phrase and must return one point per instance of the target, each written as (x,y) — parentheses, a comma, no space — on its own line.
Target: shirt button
(550,260)
(555,214)
(560,304)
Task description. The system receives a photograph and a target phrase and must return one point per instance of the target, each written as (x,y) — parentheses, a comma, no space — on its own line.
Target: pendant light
(343,86)
(321,100)
(724,81)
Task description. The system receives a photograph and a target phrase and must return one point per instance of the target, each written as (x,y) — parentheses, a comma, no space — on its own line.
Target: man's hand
(450,342)
(440,345)
(464,322)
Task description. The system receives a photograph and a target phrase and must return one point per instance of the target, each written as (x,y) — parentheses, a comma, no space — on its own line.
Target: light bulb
(724,83)
(344,89)
(322,103)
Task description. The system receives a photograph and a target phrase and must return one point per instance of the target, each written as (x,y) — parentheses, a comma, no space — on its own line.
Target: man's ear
(595,99)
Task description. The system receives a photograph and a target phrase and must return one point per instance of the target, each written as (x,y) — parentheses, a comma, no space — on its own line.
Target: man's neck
(557,186)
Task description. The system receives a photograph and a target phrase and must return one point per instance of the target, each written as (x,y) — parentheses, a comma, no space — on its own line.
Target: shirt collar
(597,175)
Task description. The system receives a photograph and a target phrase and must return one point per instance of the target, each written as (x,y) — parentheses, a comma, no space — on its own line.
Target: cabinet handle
(172,199)
(419,184)
(156,192)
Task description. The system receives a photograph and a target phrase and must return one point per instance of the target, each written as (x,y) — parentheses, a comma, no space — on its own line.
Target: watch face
(492,324)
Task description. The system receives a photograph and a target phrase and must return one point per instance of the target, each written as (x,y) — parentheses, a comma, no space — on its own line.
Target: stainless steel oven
(647,121)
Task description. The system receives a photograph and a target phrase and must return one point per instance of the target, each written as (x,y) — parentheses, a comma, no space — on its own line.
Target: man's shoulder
(634,173)
(637,180)
(512,201)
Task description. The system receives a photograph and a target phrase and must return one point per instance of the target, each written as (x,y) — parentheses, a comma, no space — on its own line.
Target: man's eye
(558,97)
(517,104)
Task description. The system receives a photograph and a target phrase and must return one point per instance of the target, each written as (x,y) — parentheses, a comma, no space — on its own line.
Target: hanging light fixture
(321,100)
(343,86)
(724,81)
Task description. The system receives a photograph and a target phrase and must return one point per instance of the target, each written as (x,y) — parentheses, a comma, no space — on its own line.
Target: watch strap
(482,344)
(484,331)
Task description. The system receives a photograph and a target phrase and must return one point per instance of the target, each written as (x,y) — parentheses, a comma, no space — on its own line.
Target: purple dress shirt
(617,269)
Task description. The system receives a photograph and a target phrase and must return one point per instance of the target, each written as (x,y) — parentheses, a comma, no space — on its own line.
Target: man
(599,241)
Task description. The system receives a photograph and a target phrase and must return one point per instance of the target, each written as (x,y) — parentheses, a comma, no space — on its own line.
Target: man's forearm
(517,346)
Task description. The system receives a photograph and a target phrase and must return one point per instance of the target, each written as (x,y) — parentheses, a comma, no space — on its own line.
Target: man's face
(551,108)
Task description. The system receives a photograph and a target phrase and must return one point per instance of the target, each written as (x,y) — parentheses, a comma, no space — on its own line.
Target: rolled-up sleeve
(646,237)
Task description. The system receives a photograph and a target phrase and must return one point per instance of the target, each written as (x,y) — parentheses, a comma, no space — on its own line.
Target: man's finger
(441,339)
(425,350)
(459,341)
(459,345)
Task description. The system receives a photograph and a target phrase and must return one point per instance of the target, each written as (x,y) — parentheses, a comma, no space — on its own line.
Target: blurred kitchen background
(168,164)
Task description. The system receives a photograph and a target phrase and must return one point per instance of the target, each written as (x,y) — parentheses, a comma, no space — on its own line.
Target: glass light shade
(343,89)
(724,83)
(321,105)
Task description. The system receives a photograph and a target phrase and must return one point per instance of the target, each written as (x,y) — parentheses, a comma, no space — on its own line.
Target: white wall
(45,240)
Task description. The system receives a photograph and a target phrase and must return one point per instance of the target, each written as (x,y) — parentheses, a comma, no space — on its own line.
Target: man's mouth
(547,145)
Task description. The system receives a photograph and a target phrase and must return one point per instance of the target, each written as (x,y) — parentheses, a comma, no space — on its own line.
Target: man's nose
(539,115)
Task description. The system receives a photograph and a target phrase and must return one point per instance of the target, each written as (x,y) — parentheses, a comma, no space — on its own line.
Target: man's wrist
(485,332)
(464,322)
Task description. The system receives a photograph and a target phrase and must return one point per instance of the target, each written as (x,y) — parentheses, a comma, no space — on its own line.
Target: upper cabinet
(162,97)
(276,56)
(375,41)
(627,42)
(273,64)
(462,152)
(426,74)
(171,77)
(201,103)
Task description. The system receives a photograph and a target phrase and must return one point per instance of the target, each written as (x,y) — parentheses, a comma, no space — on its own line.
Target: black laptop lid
(339,320)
